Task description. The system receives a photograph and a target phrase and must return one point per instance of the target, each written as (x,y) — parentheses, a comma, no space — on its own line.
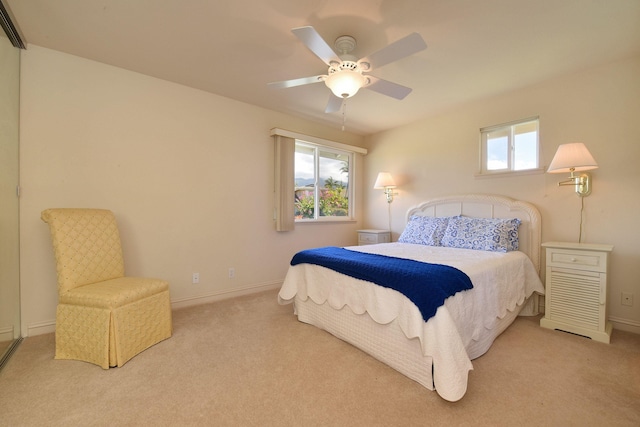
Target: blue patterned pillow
(485,234)
(424,230)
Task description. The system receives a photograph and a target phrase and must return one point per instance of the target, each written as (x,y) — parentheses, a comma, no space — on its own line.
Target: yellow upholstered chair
(102,317)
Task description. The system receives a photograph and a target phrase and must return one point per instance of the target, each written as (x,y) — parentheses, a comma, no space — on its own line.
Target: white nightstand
(370,237)
(576,289)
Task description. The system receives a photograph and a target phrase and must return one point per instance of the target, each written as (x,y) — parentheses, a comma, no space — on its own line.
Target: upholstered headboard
(490,206)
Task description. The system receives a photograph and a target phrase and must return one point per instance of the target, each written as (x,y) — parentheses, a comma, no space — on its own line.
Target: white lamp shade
(384,180)
(345,83)
(572,157)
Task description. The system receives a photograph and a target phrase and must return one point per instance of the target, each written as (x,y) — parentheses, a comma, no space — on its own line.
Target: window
(511,147)
(313,179)
(321,177)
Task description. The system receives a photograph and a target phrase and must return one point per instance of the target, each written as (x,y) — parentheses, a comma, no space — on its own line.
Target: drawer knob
(573,260)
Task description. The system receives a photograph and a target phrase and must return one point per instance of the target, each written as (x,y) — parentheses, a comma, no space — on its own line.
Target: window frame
(509,130)
(317,149)
(284,177)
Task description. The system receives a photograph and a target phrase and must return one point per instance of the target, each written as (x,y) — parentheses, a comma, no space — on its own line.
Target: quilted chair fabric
(103,317)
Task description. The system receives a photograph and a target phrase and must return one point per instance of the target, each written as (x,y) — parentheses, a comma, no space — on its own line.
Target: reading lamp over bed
(573,158)
(385,182)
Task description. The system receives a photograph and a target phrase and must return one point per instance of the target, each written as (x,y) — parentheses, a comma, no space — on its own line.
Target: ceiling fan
(347,74)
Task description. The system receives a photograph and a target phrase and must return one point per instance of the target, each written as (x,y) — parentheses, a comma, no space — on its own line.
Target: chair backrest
(86,244)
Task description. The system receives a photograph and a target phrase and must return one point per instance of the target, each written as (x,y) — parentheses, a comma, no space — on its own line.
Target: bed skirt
(387,342)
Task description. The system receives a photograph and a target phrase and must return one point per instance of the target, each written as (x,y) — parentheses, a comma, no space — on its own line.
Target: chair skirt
(110,337)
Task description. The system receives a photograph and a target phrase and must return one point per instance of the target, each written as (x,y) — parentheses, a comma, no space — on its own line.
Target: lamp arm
(582,183)
(570,181)
(388,191)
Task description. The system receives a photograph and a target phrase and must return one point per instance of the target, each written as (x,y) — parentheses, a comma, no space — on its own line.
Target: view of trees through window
(321,182)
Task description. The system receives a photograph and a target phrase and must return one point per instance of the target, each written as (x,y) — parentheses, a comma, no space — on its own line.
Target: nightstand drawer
(572,259)
(367,238)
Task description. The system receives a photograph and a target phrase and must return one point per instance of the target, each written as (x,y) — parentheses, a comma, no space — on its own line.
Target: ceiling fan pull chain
(344,112)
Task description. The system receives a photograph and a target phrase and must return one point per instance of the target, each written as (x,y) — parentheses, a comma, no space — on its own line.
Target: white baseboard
(6,333)
(625,324)
(47,327)
(41,328)
(50,326)
(224,294)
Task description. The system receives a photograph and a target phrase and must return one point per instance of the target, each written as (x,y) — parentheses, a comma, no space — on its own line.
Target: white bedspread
(501,281)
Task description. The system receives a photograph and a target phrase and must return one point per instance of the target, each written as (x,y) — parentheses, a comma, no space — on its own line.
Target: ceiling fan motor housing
(345,65)
(345,78)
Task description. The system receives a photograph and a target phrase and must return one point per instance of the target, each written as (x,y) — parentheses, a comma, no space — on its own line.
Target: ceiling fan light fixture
(345,83)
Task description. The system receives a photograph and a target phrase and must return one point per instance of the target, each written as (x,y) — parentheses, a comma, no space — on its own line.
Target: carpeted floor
(249,362)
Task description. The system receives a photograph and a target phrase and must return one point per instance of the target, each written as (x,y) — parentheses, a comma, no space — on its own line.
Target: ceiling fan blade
(388,88)
(310,37)
(402,48)
(296,82)
(334,104)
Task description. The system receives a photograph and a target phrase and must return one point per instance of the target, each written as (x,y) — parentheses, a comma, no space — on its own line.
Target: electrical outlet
(232,272)
(195,278)
(627,299)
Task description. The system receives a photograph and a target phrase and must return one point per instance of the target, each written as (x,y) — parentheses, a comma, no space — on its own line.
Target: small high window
(510,147)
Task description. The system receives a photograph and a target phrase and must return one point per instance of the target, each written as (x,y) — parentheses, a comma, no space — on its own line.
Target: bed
(434,351)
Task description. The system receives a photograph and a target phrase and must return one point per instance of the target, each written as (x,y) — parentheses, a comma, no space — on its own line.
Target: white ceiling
(234,48)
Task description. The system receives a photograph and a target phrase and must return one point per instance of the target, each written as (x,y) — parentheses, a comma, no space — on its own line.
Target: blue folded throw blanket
(426,285)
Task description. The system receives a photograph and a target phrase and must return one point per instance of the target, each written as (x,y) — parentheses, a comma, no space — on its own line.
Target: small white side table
(576,289)
(370,237)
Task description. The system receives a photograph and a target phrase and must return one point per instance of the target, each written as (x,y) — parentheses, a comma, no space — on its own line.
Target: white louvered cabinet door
(576,289)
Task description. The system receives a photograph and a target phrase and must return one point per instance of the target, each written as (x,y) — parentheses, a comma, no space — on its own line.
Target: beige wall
(600,107)
(188,174)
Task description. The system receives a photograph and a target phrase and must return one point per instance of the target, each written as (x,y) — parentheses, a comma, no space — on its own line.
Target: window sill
(482,175)
(325,221)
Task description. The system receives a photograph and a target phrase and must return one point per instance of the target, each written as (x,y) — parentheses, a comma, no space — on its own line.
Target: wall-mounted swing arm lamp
(385,182)
(574,158)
